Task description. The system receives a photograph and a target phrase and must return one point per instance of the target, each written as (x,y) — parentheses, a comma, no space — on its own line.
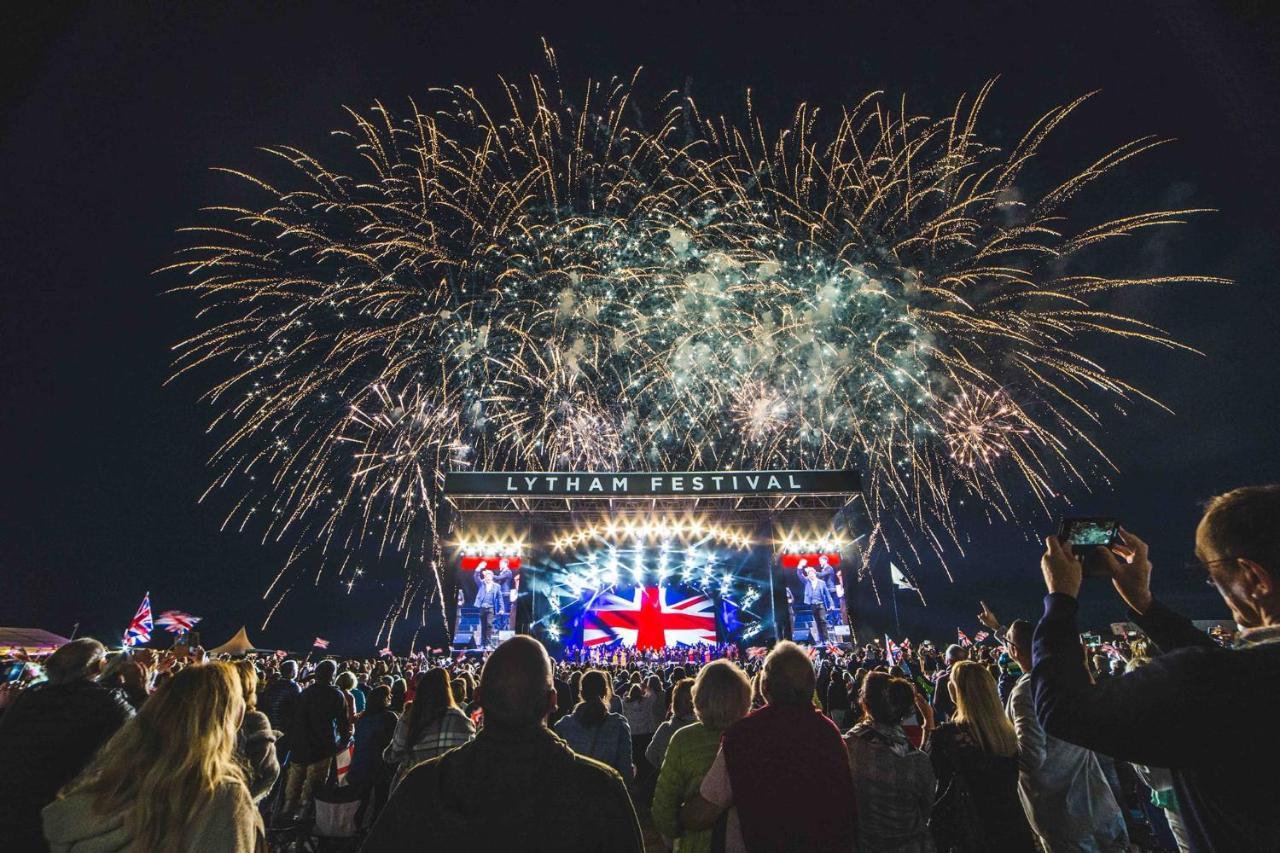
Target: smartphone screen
(1088,532)
(13,671)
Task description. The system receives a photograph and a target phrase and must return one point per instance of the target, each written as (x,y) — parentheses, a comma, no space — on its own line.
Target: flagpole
(897,627)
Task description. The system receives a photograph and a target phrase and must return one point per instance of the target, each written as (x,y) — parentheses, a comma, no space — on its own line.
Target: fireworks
(979,429)
(759,412)
(556,285)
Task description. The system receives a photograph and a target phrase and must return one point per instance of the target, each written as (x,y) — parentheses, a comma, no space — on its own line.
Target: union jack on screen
(649,619)
(139,630)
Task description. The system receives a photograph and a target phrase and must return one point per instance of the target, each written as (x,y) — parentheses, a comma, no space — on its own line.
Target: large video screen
(651,597)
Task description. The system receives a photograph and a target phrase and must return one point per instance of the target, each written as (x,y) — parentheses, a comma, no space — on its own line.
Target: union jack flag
(649,620)
(320,643)
(964,640)
(980,636)
(139,630)
(176,622)
(891,649)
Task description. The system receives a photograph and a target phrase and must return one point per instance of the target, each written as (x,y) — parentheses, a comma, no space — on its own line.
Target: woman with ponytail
(596,732)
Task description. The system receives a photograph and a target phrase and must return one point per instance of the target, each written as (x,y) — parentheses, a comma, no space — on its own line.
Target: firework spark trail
(554,286)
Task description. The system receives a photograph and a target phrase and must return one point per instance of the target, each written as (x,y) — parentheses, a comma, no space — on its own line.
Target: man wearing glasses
(1178,711)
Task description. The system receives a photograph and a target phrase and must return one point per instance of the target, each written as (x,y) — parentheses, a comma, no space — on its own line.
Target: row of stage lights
(609,568)
(490,549)
(596,573)
(614,530)
(826,545)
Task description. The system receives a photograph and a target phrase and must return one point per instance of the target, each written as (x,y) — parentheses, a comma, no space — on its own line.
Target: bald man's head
(515,689)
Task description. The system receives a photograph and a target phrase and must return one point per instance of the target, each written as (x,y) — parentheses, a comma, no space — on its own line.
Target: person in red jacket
(781,779)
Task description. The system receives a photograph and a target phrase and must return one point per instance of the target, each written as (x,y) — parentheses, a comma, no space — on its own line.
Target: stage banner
(648,483)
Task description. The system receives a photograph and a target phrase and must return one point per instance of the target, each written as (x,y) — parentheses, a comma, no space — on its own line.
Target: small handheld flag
(139,630)
(964,640)
(320,643)
(176,622)
(891,649)
(980,636)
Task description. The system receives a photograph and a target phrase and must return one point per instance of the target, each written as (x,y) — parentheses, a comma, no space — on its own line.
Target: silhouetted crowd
(1035,741)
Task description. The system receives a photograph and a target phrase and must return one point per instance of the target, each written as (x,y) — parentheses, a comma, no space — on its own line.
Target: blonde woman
(256,741)
(169,780)
(975,757)
(721,696)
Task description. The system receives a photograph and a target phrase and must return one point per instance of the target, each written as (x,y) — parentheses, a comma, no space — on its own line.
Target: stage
(651,560)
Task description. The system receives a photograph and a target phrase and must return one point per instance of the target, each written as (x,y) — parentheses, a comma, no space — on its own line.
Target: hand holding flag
(139,630)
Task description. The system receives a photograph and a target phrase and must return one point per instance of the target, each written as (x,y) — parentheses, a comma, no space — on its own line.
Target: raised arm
(1147,716)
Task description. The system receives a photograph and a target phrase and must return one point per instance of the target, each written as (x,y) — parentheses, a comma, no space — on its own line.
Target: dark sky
(111,114)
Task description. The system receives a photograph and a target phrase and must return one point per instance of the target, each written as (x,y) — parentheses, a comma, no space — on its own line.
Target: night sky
(111,115)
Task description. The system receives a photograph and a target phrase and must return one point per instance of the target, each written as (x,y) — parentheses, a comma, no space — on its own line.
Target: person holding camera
(1174,711)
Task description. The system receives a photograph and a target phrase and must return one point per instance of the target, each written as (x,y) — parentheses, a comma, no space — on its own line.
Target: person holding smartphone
(1176,711)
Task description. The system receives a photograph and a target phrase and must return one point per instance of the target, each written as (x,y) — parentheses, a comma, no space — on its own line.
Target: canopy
(29,640)
(237,645)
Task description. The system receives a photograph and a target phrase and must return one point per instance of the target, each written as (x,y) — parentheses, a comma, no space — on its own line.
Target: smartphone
(13,672)
(1085,536)
(1089,532)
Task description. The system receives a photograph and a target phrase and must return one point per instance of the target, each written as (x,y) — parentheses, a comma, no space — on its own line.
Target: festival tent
(33,641)
(237,645)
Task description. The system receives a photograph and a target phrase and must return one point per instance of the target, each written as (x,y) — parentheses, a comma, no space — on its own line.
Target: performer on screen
(488,595)
(815,595)
(827,573)
(503,580)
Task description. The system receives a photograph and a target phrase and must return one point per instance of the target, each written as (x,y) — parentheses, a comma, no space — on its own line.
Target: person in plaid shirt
(433,725)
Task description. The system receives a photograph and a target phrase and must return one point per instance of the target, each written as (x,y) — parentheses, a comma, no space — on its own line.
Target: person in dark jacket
(1172,711)
(975,760)
(321,727)
(49,735)
(943,705)
(517,785)
(369,773)
(280,699)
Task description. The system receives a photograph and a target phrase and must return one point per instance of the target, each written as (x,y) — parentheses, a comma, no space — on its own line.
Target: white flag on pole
(899,579)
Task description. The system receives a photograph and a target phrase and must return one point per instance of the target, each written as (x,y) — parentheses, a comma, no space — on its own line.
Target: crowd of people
(1033,741)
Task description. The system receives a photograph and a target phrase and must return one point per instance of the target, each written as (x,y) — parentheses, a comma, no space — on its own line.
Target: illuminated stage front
(653,564)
